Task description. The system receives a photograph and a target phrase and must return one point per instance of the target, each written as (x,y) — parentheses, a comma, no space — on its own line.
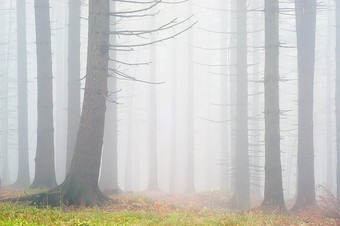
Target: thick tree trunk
(81,184)
(73,109)
(305,27)
(44,160)
(108,181)
(273,190)
(23,178)
(241,196)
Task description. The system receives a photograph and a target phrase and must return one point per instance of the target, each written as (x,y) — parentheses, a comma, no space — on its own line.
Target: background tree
(337,97)
(241,196)
(23,178)
(44,160)
(190,123)
(305,29)
(273,191)
(153,157)
(73,107)
(109,176)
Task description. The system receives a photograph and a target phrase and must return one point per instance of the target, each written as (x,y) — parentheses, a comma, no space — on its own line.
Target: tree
(337,98)
(241,196)
(44,160)
(23,178)
(305,28)
(73,108)
(153,161)
(173,157)
(109,177)
(190,124)
(273,190)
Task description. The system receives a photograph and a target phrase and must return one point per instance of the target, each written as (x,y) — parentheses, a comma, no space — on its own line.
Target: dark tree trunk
(241,196)
(23,178)
(44,160)
(108,181)
(273,191)
(81,184)
(305,28)
(73,109)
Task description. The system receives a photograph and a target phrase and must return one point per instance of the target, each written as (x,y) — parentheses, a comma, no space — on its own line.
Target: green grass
(11,214)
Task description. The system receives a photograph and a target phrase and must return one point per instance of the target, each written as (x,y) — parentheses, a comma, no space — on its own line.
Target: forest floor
(156,208)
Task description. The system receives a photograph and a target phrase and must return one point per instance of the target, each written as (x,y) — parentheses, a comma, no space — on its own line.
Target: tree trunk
(80,187)
(73,109)
(23,178)
(4,97)
(337,99)
(273,191)
(305,28)
(44,160)
(241,196)
(173,149)
(153,158)
(109,177)
(190,151)
(256,150)
(225,150)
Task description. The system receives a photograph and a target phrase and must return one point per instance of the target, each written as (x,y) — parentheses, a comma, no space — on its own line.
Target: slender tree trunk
(225,150)
(329,75)
(153,158)
(73,109)
(173,165)
(44,160)
(273,190)
(241,196)
(23,178)
(232,93)
(59,17)
(190,156)
(4,96)
(305,28)
(256,177)
(337,98)
(109,177)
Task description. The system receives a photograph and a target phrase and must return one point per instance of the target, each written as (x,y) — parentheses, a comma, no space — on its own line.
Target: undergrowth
(13,214)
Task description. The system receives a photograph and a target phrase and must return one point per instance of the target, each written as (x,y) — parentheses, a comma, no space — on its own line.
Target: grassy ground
(142,209)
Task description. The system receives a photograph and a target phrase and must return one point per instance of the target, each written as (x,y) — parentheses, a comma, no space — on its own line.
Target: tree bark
(153,157)
(241,196)
(305,28)
(108,181)
(23,178)
(44,160)
(73,108)
(81,184)
(190,188)
(273,190)
(337,98)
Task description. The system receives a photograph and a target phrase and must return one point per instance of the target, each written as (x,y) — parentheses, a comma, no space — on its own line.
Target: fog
(193,59)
